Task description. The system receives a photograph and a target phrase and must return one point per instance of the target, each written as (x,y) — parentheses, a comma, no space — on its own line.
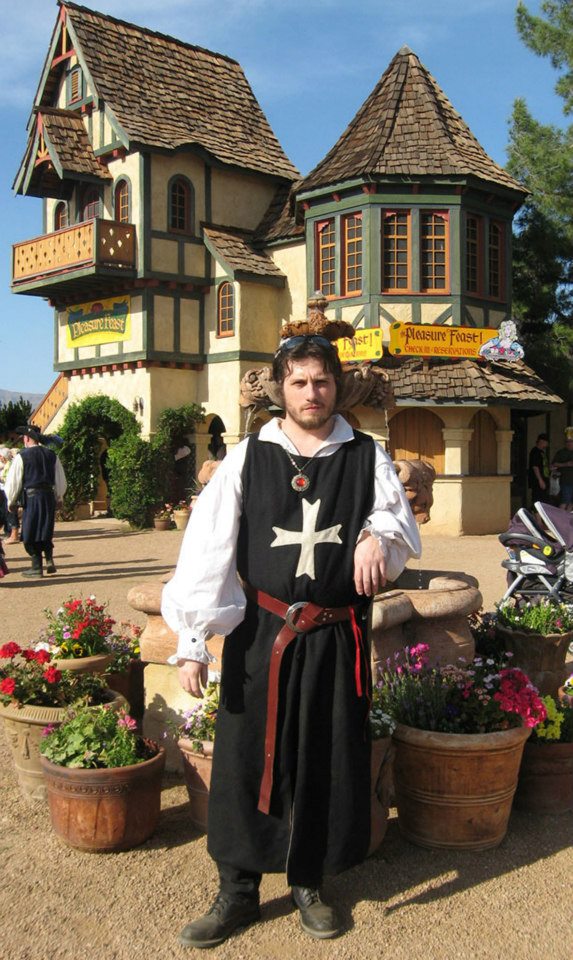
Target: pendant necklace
(300,482)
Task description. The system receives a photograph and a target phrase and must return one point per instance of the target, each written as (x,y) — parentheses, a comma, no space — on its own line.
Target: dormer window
(91,207)
(121,202)
(75,85)
(179,211)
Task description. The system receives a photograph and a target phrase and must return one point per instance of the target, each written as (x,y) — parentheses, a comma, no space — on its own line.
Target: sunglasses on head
(291,343)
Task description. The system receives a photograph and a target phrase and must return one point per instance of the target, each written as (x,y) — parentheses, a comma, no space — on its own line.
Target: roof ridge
(68,4)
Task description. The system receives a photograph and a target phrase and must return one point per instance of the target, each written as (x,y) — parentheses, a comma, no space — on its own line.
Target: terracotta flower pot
(541,657)
(380,790)
(545,782)
(130,684)
(453,789)
(160,524)
(103,810)
(98,663)
(197,772)
(181,518)
(23,729)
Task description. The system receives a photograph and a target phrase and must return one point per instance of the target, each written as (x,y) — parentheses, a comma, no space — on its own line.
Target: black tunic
(319,820)
(39,497)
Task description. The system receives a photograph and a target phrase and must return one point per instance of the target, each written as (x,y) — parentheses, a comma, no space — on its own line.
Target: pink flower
(128,722)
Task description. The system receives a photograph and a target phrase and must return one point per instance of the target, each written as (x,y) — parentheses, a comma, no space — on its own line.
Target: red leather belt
(299,618)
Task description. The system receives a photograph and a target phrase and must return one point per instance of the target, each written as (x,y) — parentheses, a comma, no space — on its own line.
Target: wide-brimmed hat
(29,430)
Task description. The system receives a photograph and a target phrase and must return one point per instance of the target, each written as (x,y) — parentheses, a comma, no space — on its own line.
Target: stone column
(457,456)
(232,439)
(200,439)
(503,438)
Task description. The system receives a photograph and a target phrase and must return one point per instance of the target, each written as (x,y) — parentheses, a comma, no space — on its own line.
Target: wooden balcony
(77,261)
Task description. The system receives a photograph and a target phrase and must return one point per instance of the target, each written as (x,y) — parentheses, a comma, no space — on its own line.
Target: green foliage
(13,414)
(98,737)
(551,35)
(558,725)
(135,467)
(199,723)
(85,423)
(176,423)
(544,617)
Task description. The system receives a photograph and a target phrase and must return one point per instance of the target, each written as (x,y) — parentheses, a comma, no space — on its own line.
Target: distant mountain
(12,395)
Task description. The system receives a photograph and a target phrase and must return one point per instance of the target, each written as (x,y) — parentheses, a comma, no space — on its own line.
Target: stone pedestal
(165,700)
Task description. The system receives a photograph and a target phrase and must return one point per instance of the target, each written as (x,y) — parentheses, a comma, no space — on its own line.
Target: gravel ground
(404,902)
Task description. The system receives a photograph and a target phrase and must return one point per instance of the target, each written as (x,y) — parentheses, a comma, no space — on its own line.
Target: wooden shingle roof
(234,248)
(280,221)
(168,94)
(436,380)
(66,132)
(407,127)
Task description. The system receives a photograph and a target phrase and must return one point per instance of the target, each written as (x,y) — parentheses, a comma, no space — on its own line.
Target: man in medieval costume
(312,517)
(36,475)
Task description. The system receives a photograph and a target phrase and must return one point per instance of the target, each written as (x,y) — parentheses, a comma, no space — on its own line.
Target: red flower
(42,656)
(9,650)
(52,675)
(29,655)
(8,685)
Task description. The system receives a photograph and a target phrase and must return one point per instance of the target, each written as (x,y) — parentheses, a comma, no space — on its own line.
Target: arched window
(417,435)
(91,206)
(483,445)
(226,310)
(60,215)
(179,217)
(121,202)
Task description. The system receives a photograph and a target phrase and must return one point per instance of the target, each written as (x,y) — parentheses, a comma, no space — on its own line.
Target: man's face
(309,393)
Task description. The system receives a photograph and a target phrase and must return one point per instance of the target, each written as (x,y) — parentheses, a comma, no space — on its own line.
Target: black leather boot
(50,565)
(316,918)
(227,914)
(35,571)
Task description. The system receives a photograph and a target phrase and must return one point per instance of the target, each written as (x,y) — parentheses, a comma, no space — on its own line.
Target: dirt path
(405,903)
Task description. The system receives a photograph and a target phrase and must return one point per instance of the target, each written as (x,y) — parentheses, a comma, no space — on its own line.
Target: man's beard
(311,419)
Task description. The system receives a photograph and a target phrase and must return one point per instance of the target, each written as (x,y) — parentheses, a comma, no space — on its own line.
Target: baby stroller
(540,554)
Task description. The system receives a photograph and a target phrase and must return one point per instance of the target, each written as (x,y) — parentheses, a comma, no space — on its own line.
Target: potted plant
(458,743)
(181,514)
(34,692)
(565,693)
(77,635)
(103,780)
(538,635)
(195,738)
(163,517)
(125,672)
(545,782)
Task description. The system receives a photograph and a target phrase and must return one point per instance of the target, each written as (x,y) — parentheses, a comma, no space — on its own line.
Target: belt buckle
(290,614)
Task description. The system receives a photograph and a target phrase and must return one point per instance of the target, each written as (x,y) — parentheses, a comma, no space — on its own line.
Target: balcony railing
(95,243)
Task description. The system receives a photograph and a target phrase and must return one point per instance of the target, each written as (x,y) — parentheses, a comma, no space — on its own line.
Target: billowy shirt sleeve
(14,480)
(392,521)
(61,484)
(204,596)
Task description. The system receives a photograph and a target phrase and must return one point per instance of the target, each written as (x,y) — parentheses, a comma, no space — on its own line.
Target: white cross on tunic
(308,537)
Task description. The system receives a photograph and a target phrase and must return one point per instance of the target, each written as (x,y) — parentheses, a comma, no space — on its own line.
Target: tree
(14,414)
(541,156)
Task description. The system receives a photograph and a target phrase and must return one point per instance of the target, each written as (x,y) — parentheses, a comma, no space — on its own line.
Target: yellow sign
(102,321)
(429,340)
(365,345)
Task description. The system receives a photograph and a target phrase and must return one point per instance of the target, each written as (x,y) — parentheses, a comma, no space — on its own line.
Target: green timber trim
(231,355)
(103,362)
(177,325)
(87,78)
(53,155)
(144,242)
(145,326)
(57,279)
(208,191)
(150,315)
(46,69)
(56,353)
(361,315)
(202,332)
(443,317)
(454,249)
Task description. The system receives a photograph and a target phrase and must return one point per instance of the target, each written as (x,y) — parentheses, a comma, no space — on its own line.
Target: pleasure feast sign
(365,345)
(428,340)
(103,321)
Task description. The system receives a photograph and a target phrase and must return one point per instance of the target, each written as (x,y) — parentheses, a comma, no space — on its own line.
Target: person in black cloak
(311,515)
(37,474)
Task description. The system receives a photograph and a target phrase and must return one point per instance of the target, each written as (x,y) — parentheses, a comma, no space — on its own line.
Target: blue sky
(311,64)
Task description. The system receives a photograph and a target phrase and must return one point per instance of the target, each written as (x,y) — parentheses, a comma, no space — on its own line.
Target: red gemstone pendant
(300,483)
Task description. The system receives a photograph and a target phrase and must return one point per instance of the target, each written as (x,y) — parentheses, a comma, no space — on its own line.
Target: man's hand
(369,566)
(193,676)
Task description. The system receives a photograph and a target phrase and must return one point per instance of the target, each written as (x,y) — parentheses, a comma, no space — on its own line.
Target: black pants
(246,883)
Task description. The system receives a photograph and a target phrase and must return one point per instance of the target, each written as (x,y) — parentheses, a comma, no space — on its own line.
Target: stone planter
(97,664)
(160,524)
(103,810)
(455,790)
(23,729)
(541,657)
(181,518)
(380,790)
(545,782)
(197,771)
